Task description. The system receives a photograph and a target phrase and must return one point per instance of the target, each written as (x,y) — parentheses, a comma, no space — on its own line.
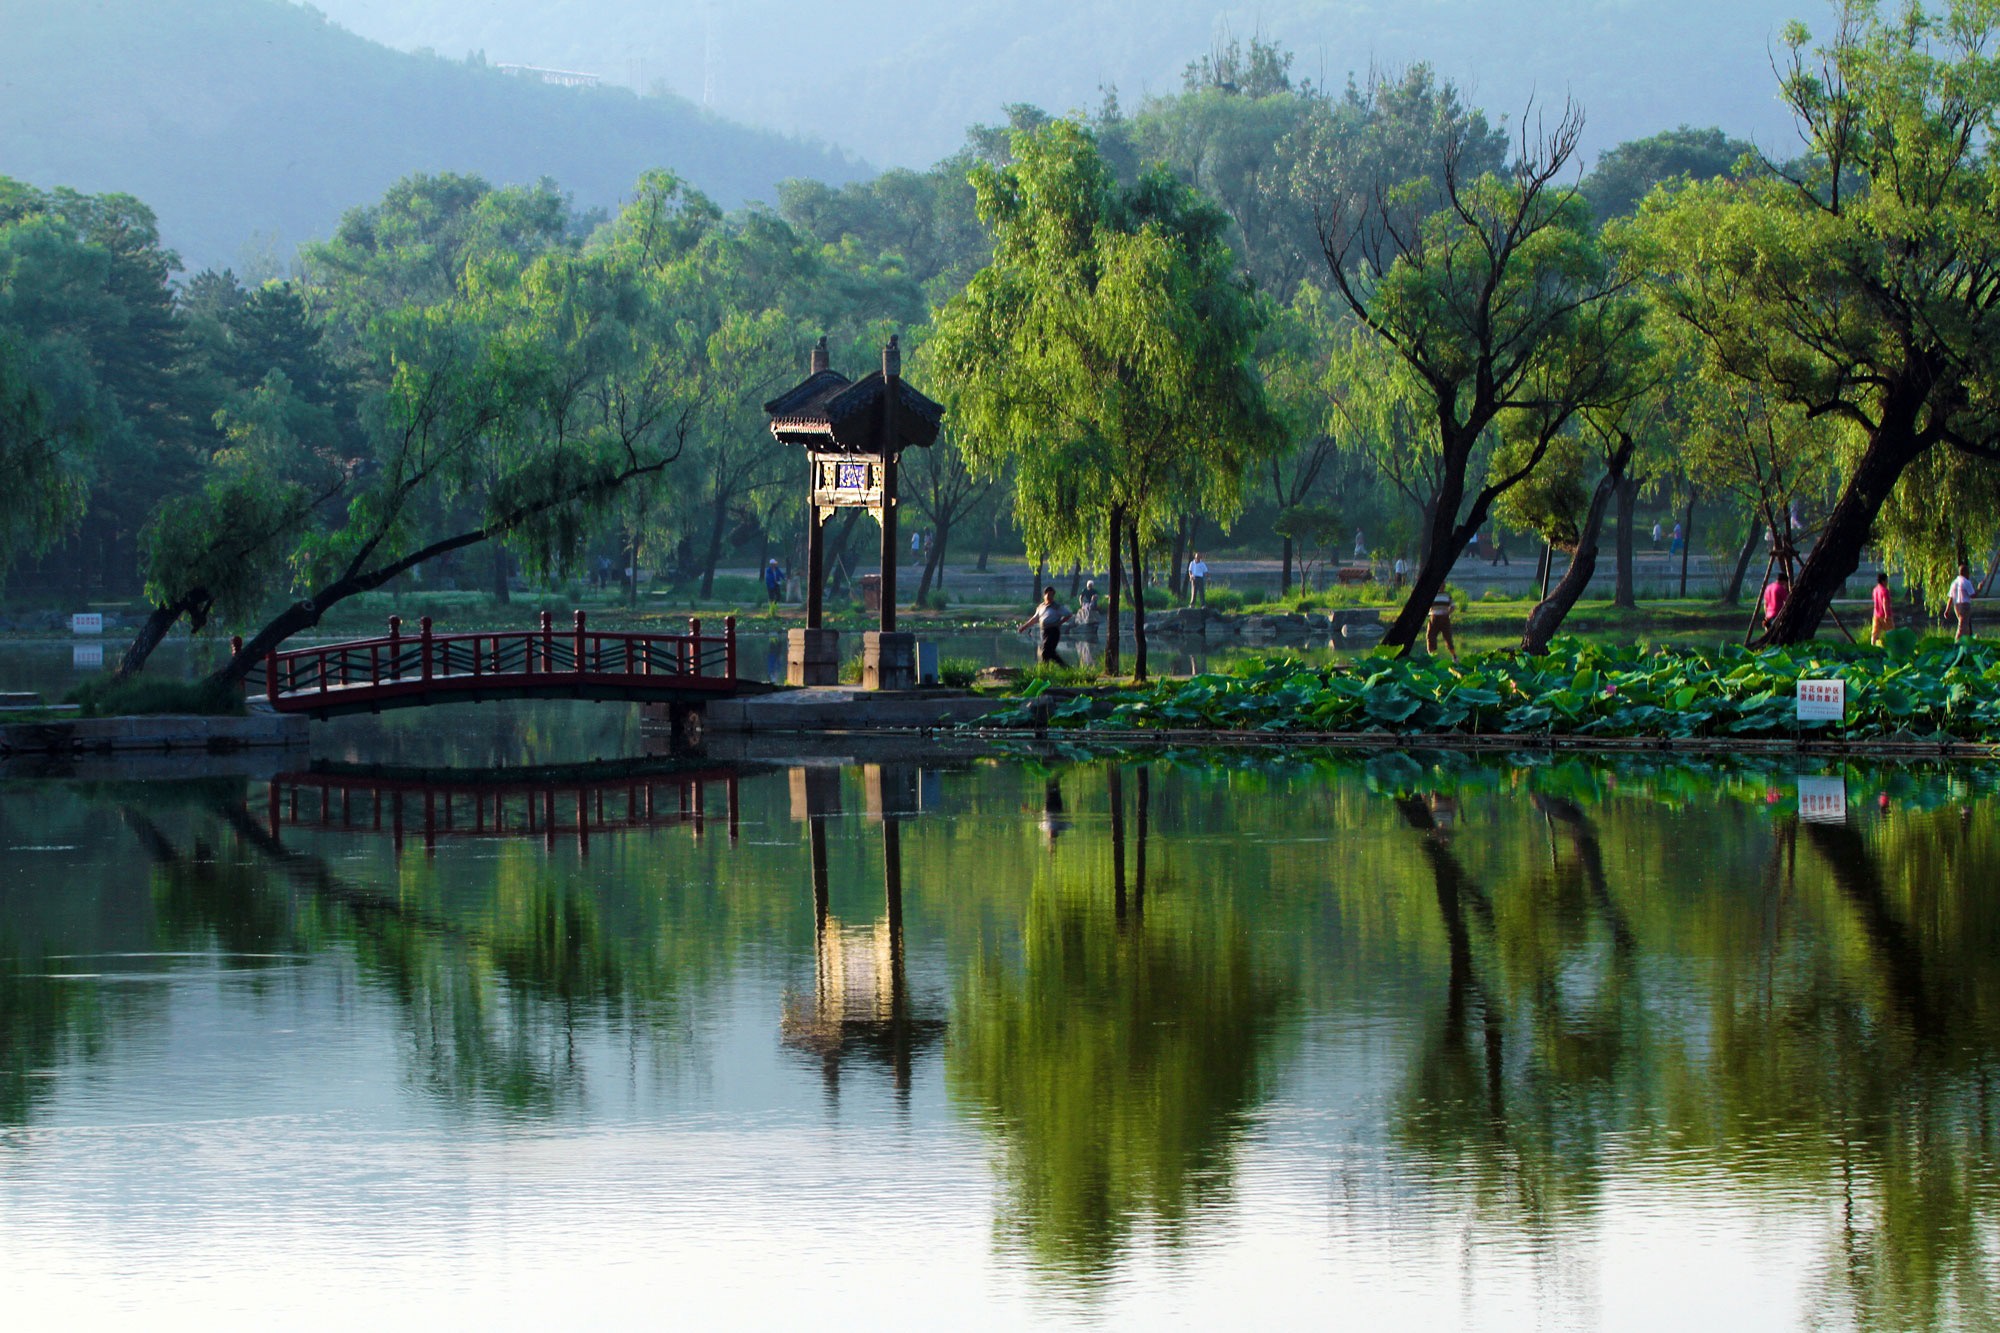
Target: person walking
(1440,626)
(1500,548)
(1360,546)
(1884,618)
(1402,569)
(1960,596)
(1050,616)
(774,582)
(1674,547)
(1197,572)
(1656,534)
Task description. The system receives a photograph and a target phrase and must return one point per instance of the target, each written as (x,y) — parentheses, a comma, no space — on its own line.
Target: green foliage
(99,697)
(1104,353)
(1938,690)
(1626,174)
(959,672)
(1860,286)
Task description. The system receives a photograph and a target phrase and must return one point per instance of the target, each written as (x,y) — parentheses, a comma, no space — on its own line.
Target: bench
(1354,574)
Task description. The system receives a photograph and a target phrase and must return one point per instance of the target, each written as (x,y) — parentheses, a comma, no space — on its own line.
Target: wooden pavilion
(854,433)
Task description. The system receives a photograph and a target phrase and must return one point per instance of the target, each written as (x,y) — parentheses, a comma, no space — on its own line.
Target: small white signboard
(87,622)
(1822,700)
(1823,800)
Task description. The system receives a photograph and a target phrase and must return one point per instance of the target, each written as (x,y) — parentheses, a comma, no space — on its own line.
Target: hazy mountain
(898,81)
(242,119)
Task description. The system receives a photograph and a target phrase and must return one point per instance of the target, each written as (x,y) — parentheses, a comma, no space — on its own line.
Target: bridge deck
(373,675)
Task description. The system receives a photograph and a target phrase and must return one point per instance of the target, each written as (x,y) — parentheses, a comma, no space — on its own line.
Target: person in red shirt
(1885,611)
(1775,594)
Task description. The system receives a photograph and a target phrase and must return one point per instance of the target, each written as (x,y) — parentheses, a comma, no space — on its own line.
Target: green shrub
(959,672)
(1225,599)
(98,697)
(1059,673)
(850,670)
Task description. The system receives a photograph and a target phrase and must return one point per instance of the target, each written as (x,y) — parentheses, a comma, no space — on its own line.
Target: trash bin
(871,594)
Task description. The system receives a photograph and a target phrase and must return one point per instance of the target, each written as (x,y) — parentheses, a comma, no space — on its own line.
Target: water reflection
(1416,1005)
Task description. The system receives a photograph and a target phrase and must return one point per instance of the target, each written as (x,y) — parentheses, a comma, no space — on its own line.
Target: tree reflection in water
(1600,979)
(1115,1062)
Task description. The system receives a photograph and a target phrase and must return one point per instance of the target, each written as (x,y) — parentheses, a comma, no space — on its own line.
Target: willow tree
(1104,352)
(513,403)
(1493,292)
(1862,285)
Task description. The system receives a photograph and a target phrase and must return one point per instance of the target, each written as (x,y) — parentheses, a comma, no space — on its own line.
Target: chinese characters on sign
(90,622)
(850,476)
(1822,700)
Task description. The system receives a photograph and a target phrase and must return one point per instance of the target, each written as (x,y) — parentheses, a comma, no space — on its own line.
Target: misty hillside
(237,119)
(897,82)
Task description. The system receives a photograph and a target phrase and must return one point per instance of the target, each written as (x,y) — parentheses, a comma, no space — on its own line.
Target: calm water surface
(1417,1042)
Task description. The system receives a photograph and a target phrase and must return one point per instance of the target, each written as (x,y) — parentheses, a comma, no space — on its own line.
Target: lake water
(997,1040)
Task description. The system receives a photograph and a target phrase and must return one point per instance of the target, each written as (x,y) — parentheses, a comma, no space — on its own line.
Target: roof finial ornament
(892,360)
(821,360)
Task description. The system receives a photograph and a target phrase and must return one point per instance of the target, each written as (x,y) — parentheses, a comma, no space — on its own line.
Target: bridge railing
(513,657)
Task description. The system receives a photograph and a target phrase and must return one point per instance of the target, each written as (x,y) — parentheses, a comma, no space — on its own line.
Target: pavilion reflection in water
(860,1007)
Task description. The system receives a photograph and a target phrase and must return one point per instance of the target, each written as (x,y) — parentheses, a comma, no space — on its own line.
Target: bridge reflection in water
(552,805)
(860,1007)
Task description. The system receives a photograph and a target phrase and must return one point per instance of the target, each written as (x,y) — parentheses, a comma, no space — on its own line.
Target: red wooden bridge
(414,671)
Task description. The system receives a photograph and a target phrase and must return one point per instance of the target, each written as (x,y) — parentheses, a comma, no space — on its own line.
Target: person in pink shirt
(1775,594)
(1885,611)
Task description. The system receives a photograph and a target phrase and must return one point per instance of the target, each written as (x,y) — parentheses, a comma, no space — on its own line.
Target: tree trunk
(933,564)
(1547,617)
(1732,592)
(716,532)
(1687,543)
(1111,619)
(1138,609)
(503,594)
(1837,553)
(1624,592)
(156,628)
(1444,540)
(837,549)
(1075,580)
(1177,572)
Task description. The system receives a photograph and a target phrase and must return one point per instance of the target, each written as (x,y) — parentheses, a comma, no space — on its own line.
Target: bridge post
(548,643)
(395,647)
(425,623)
(579,643)
(271,683)
(694,645)
(729,645)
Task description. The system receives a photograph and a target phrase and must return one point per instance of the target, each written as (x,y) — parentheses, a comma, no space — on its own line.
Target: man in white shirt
(1960,596)
(1197,581)
(1049,615)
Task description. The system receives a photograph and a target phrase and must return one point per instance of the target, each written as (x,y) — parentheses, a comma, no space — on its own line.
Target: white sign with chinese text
(1822,700)
(1823,800)
(87,622)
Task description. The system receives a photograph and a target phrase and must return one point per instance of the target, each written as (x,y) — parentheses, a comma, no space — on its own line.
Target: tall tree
(1105,354)
(1862,285)
(1494,293)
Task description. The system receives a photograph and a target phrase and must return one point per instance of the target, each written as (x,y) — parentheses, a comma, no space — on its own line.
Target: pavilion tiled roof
(829,410)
